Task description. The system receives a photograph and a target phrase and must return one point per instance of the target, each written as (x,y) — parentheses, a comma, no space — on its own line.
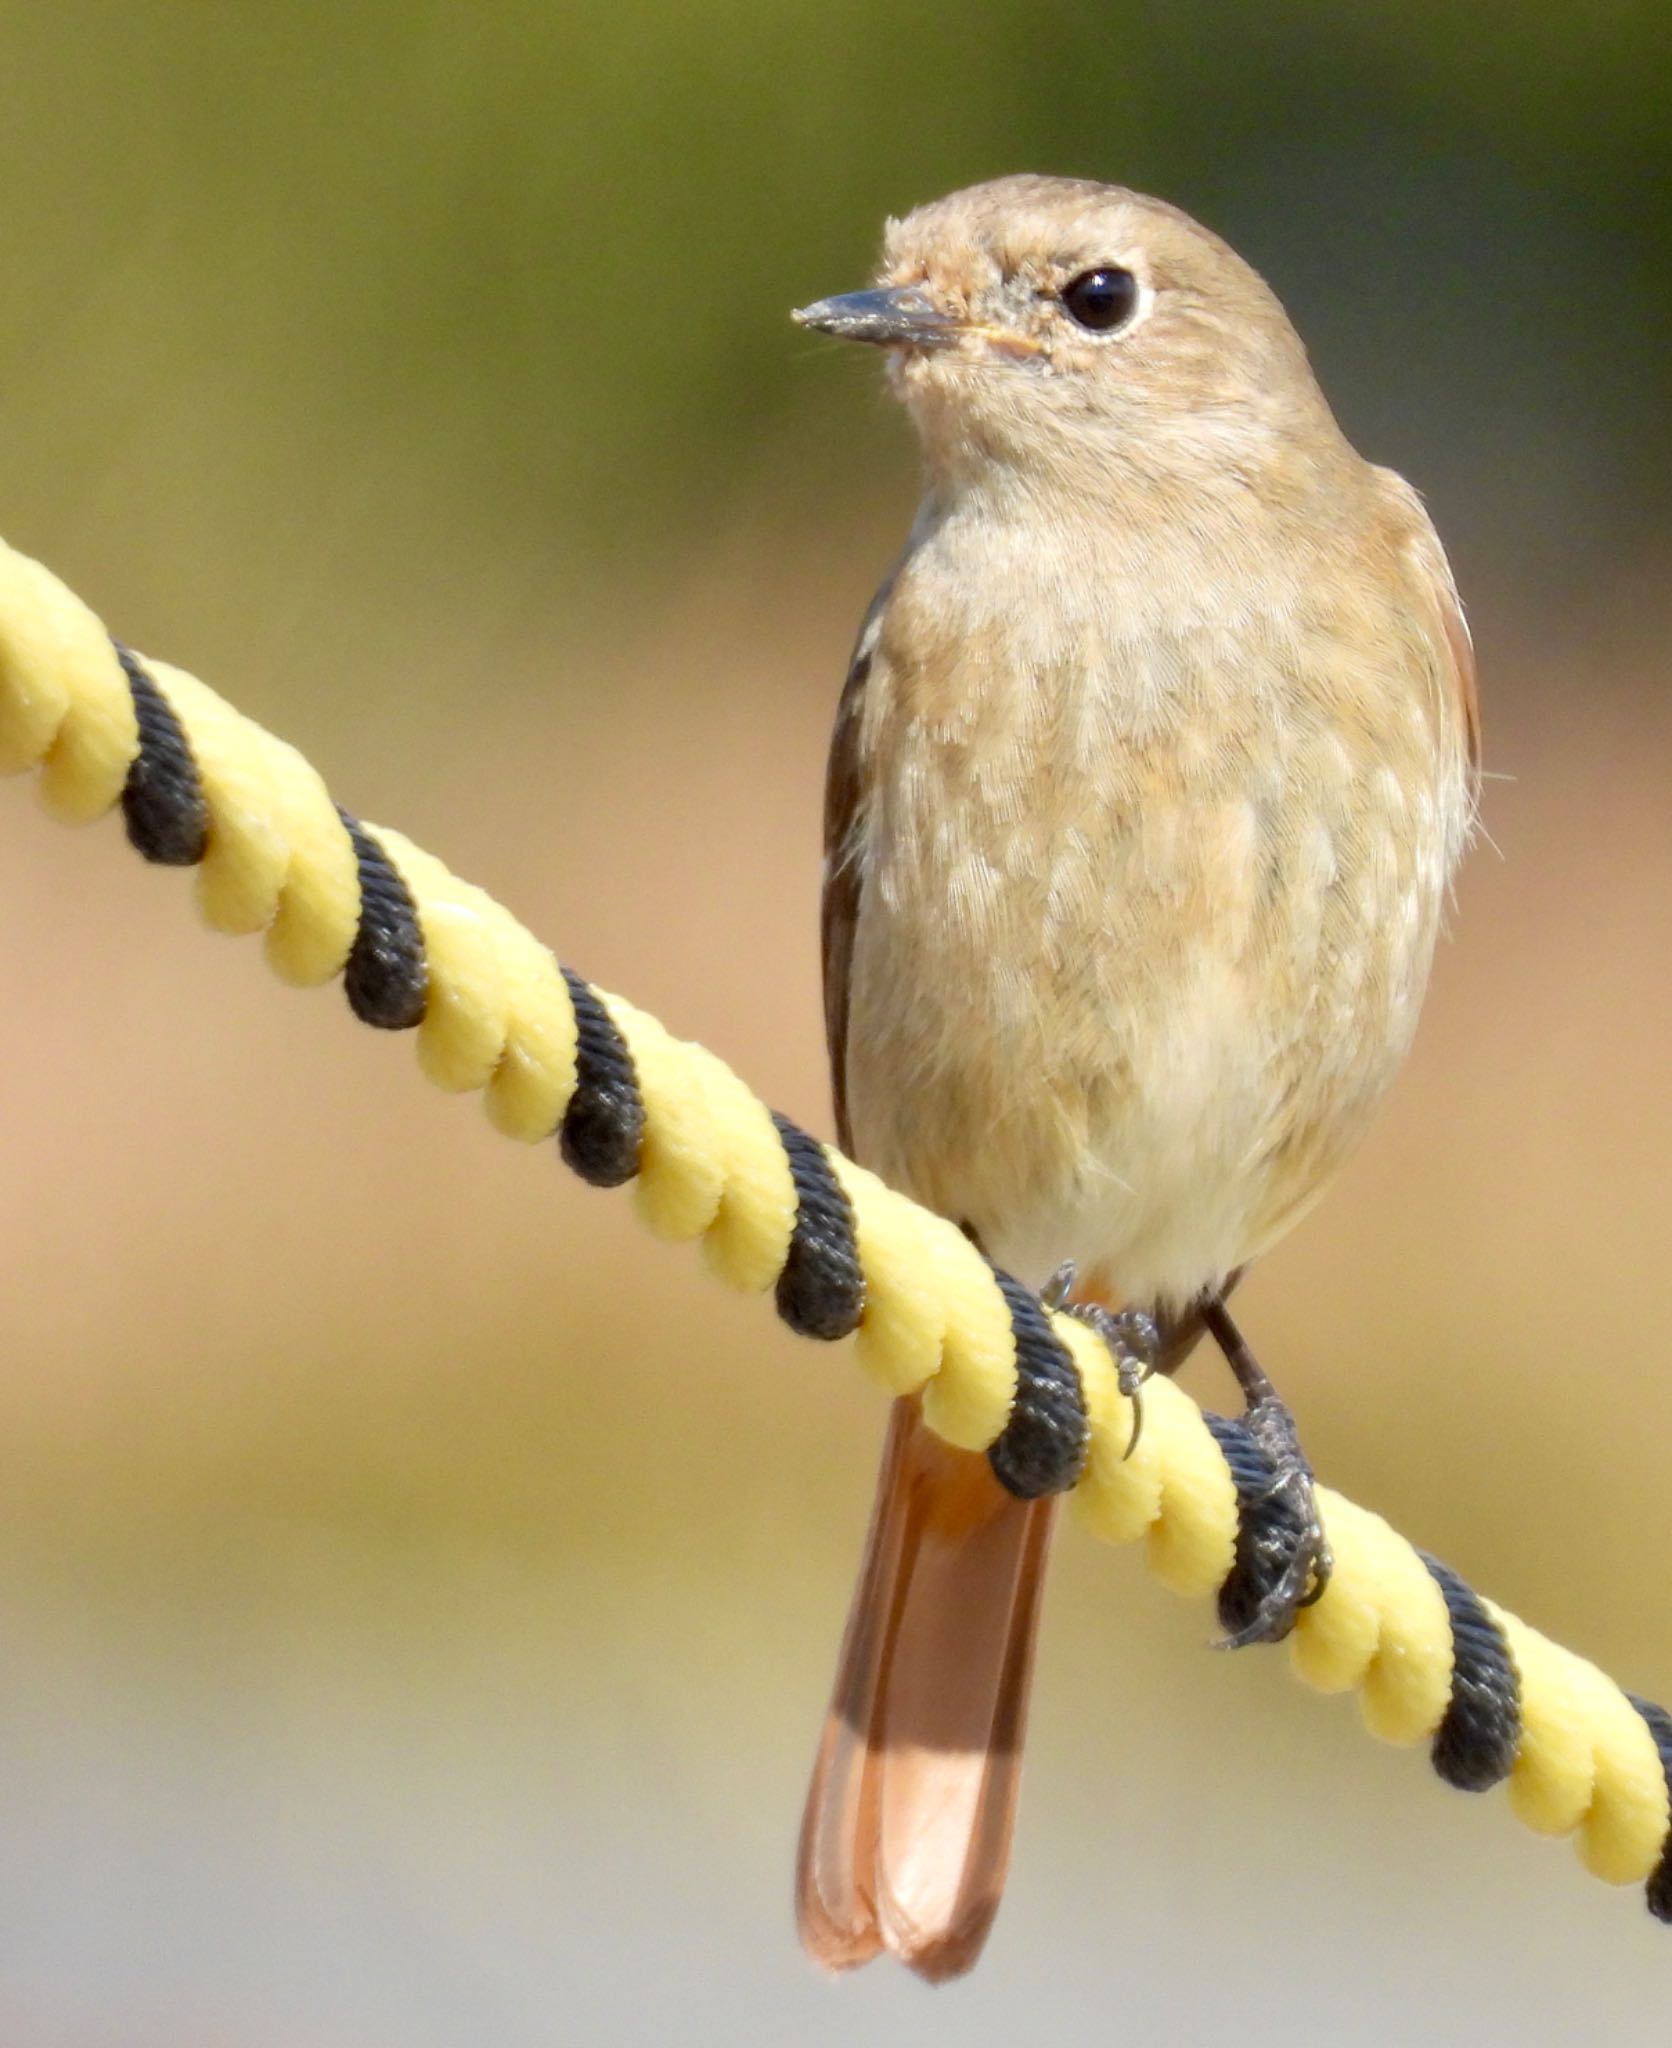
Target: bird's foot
(1131,1338)
(1288,1504)
(1291,1553)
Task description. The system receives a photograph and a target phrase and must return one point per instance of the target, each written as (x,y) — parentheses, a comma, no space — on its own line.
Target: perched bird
(1156,755)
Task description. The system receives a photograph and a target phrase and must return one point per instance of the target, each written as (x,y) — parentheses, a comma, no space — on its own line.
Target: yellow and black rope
(777,1211)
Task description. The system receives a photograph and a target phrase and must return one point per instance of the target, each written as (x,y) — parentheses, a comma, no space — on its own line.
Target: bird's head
(1061,329)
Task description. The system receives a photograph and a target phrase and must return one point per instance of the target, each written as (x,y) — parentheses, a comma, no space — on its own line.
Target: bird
(1156,756)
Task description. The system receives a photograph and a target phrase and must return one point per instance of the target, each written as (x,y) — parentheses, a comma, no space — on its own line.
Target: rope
(777,1211)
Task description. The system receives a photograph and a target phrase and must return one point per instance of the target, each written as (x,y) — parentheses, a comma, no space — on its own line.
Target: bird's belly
(1145,1039)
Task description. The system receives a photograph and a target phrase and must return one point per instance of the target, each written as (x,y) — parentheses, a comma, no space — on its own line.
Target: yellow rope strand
(497,1016)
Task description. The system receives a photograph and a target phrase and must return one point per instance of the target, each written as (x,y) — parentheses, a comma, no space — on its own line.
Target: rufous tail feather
(906,1837)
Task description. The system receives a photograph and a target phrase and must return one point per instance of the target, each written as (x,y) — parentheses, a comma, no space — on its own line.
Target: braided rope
(776,1211)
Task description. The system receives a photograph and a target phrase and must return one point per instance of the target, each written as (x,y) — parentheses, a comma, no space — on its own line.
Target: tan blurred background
(418,1587)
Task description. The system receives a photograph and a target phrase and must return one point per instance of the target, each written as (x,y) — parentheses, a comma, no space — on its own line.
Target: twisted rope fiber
(776,1211)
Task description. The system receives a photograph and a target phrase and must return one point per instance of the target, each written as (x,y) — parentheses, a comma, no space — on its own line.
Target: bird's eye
(1101,299)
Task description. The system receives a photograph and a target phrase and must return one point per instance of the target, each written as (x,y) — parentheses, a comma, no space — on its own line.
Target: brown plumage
(1154,762)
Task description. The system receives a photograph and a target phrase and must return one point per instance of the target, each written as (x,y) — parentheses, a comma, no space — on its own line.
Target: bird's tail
(906,1837)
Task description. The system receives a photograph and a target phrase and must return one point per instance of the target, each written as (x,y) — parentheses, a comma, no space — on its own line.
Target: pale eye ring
(1101,300)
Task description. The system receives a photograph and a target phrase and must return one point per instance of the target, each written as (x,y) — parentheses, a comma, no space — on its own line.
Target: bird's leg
(1131,1337)
(1270,1423)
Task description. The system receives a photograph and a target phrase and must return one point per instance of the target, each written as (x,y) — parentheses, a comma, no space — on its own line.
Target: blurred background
(418,1588)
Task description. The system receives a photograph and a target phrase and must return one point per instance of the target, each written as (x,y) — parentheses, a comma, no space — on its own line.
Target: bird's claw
(1308,1563)
(1130,1336)
(1054,1294)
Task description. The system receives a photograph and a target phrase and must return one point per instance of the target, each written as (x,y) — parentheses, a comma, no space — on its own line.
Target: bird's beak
(894,316)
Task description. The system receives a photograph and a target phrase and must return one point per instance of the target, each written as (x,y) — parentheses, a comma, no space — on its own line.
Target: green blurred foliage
(537,259)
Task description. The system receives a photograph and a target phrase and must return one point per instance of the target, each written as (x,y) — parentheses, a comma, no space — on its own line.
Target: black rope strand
(162,798)
(387,978)
(603,1126)
(1044,1444)
(1658,1890)
(1476,1742)
(821,1291)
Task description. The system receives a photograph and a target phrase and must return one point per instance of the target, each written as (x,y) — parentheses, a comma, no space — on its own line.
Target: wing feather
(1422,549)
(844,827)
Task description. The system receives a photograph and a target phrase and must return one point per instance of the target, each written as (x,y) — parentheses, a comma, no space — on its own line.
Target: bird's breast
(1144,923)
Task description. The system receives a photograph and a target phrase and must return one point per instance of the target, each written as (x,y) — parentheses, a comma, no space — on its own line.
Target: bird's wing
(1459,642)
(844,792)
(1422,549)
